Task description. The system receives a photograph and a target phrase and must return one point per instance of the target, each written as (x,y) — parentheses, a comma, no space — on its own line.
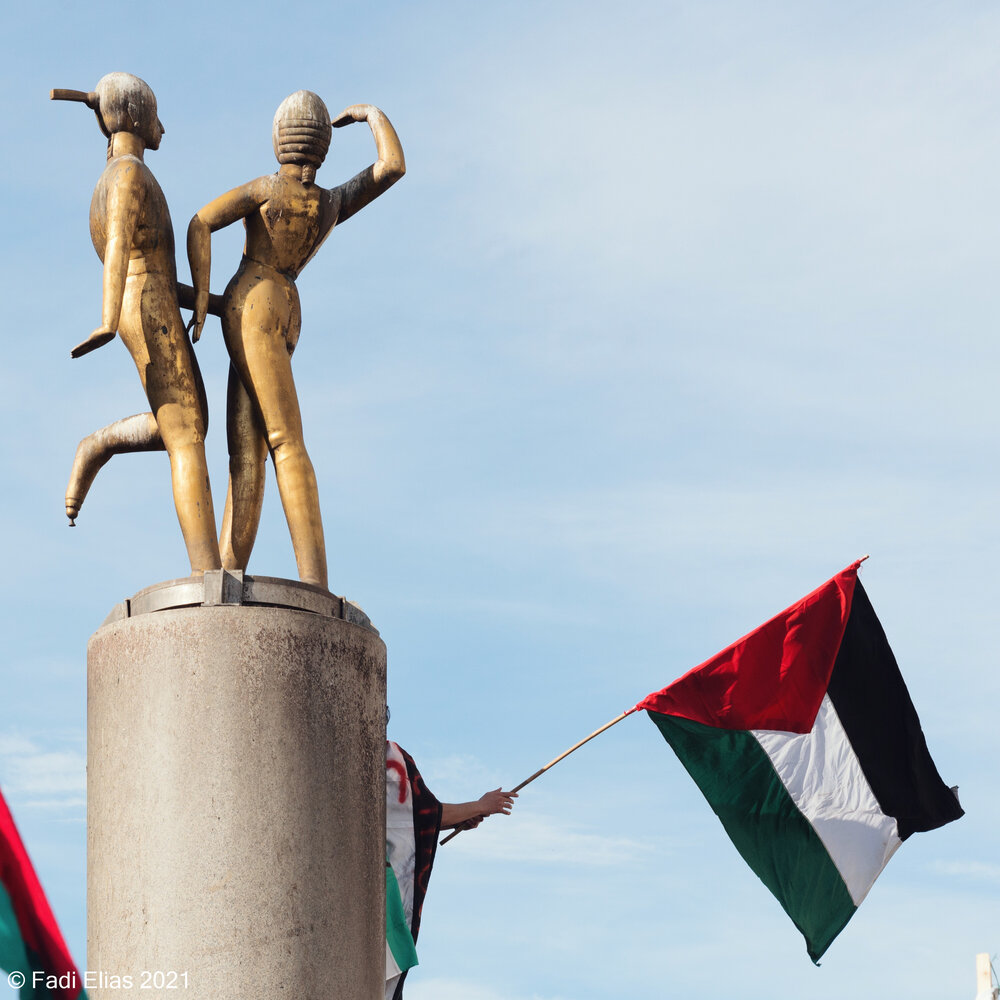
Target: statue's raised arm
(383,173)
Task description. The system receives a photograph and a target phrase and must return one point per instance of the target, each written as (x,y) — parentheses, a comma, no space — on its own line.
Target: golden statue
(131,230)
(287,217)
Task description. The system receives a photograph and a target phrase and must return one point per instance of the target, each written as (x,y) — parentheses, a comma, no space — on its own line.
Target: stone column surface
(236,804)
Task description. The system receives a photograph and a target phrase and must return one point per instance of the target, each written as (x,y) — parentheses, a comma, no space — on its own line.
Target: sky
(680,308)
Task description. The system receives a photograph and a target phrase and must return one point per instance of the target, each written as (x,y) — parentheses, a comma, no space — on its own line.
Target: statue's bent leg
(152,330)
(258,347)
(247,465)
(131,434)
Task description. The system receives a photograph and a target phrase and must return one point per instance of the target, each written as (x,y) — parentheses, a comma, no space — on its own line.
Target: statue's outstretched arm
(126,193)
(224,211)
(185,299)
(382,174)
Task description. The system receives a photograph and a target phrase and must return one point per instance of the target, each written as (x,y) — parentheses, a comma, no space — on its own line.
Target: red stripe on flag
(395,766)
(773,678)
(39,930)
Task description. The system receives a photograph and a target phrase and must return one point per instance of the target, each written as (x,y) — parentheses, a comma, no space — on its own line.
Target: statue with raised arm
(287,217)
(132,234)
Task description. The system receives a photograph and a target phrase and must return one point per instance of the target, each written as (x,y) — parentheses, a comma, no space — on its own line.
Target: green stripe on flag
(397,933)
(776,840)
(13,957)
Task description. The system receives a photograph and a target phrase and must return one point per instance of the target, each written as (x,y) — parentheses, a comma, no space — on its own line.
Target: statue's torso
(152,246)
(284,230)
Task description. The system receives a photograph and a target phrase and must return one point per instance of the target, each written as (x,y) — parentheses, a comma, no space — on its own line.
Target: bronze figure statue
(132,234)
(287,217)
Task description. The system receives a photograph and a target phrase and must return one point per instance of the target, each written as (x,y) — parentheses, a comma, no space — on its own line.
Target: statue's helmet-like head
(122,103)
(301,132)
(127,104)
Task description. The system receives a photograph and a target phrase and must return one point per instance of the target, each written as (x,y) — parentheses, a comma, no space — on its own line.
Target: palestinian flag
(30,941)
(412,825)
(803,738)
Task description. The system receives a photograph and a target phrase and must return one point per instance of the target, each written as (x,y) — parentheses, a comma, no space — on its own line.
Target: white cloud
(548,841)
(42,777)
(49,772)
(457,770)
(463,989)
(982,871)
(15,746)
(79,802)
(626,534)
(535,839)
(503,607)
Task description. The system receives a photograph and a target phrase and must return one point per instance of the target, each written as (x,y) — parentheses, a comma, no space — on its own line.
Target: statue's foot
(135,433)
(86,463)
(97,339)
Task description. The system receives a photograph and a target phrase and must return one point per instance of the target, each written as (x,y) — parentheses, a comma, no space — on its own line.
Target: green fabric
(397,933)
(736,776)
(16,957)
(13,956)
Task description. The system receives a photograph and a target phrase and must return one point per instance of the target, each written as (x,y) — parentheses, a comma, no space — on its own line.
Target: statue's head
(127,104)
(301,132)
(122,103)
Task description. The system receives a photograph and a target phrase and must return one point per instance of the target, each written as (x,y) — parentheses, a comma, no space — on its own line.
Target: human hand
(354,113)
(101,336)
(497,801)
(197,320)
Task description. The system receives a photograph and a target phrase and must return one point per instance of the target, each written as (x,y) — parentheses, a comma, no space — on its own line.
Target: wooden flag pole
(552,763)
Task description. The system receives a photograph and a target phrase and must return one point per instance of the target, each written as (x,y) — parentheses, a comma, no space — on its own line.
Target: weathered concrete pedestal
(236,811)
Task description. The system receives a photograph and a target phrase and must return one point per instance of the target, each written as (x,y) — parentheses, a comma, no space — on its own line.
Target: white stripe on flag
(392,969)
(821,772)
(400,845)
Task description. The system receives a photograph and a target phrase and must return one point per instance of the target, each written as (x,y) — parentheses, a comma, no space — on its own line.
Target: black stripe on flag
(874,707)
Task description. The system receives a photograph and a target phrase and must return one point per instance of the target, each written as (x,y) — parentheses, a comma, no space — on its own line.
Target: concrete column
(984,978)
(235,785)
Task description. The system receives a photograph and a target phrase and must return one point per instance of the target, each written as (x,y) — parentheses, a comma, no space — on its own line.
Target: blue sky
(679,309)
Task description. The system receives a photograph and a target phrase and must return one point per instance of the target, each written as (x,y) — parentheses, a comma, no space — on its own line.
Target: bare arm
(383,173)
(126,195)
(469,815)
(224,211)
(185,299)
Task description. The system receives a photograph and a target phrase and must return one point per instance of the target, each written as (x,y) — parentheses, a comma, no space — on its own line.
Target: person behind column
(414,818)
